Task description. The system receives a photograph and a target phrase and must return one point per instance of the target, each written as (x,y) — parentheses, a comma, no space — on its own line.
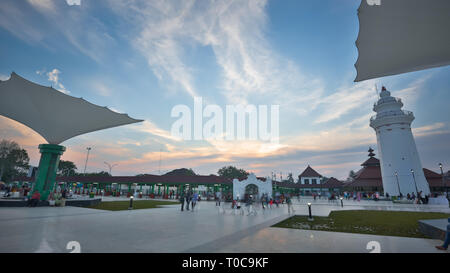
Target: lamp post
(442,175)
(87,157)
(131,202)
(310,214)
(110,167)
(398,184)
(415,184)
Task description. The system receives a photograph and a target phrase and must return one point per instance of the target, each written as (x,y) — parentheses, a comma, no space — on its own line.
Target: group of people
(419,199)
(189,198)
(34,200)
(23,191)
(236,205)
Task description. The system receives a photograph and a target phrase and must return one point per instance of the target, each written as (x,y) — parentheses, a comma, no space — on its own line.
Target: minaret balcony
(388,117)
(388,102)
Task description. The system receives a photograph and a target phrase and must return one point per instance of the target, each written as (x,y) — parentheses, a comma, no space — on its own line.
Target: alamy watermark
(75,246)
(249,122)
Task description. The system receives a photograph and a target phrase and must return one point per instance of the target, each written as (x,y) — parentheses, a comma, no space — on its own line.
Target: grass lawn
(389,223)
(138,204)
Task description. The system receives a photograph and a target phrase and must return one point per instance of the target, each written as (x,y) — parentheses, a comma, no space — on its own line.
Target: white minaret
(399,159)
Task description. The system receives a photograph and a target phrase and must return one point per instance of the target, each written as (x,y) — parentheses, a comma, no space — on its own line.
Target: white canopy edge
(54,115)
(400,36)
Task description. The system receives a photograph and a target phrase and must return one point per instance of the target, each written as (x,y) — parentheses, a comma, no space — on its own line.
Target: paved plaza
(167,229)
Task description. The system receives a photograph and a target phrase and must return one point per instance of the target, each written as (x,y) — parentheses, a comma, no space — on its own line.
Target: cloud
(14,20)
(73,2)
(432,129)
(350,98)
(346,99)
(53,76)
(46,5)
(149,127)
(250,68)
(52,24)
(4,77)
(102,89)
(411,93)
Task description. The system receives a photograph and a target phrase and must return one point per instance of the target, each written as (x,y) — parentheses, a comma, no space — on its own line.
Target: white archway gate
(264,187)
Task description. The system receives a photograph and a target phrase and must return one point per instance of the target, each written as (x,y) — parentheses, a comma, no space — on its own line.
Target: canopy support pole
(48,165)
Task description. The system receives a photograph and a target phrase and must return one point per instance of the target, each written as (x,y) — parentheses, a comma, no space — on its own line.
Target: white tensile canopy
(399,36)
(54,115)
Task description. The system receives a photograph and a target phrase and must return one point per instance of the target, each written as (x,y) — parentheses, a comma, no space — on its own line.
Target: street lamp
(131,202)
(110,167)
(310,214)
(398,184)
(415,184)
(442,175)
(87,157)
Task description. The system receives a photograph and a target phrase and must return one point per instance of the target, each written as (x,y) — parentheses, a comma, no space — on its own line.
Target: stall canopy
(399,36)
(54,115)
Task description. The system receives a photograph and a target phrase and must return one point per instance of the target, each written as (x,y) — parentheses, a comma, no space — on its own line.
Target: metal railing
(388,99)
(392,113)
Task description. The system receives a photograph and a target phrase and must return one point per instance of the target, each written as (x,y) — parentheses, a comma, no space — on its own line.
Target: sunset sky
(144,57)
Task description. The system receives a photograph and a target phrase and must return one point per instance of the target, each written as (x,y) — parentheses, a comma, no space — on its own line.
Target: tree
(290,179)
(351,176)
(67,168)
(232,172)
(102,173)
(143,174)
(14,161)
(182,171)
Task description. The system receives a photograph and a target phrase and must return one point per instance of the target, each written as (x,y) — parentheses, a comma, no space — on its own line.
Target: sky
(144,57)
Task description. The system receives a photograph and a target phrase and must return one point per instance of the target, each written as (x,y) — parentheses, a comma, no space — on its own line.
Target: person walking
(188,199)
(194,200)
(289,203)
(447,238)
(182,198)
(218,198)
(249,204)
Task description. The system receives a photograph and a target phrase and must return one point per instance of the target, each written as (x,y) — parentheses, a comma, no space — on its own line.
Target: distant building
(309,177)
(369,178)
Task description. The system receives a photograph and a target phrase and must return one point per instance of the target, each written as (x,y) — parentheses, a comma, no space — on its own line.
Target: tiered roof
(309,172)
(370,175)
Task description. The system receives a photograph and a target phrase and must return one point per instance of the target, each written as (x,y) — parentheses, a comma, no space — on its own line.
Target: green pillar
(48,166)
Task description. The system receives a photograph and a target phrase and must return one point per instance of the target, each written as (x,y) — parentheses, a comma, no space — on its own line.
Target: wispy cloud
(81,30)
(149,127)
(432,129)
(250,68)
(411,93)
(73,2)
(101,89)
(346,99)
(46,5)
(53,77)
